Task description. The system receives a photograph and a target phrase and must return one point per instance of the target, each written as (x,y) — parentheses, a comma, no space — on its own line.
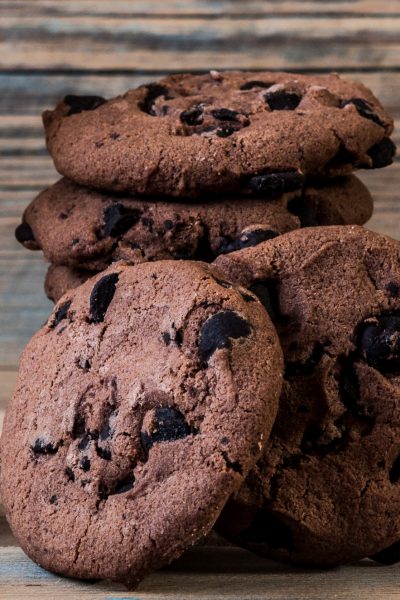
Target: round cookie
(187,135)
(59,279)
(155,388)
(86,229)
(327,490)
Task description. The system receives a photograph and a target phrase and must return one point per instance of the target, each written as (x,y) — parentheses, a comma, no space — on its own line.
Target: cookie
(155,388)
(86,229)
(327,490)
(187,135)
(60,279)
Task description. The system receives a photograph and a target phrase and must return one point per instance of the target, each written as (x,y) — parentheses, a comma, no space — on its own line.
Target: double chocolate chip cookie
(86,229)
(327,490)
(155,387)
(187,135)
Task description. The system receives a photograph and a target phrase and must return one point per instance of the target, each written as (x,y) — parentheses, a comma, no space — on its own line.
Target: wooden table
(49,48)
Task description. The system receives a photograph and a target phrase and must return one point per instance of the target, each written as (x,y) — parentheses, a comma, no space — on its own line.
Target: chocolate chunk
(379,343)
(192,116)
(168,425)
(78,104)
(84,442)
(364,109)
(70,474)
(154,90)
(389,556)
(118,219)
(267,528)
(101,296)
(42,447)
(382,153)
(249,85)
(85,464)
(268,294)
(61,313)
(225,131)
(104,453)
(245,240)
(24,233)
(218,331)
(225,114)
(276,184)
(281,100)
(394,473)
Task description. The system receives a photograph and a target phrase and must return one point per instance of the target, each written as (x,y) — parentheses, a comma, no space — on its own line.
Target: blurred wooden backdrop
(49,48)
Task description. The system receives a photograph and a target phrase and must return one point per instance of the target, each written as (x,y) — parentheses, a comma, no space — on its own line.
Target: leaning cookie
(86,229)
(187,135)
(155,388)
(327,490)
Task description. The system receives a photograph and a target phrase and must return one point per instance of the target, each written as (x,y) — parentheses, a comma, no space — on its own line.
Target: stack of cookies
(259,394)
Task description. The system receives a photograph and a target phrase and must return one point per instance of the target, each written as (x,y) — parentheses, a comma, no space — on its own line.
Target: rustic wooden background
(49,48)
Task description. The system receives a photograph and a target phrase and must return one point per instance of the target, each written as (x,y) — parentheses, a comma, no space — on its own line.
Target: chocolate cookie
(155,388)
(60,279)
(327,490)
(85,229)
(187,135)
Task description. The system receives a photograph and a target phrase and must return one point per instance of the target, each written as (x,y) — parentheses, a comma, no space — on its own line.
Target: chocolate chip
(118,219)
(84,442)
(218,331)
(268,529)
(124,485)
(168,425)
(61,313)
(225,114)
(302,208)
(364,109)
(394,473)
(382,153)
(192,116)
(379,343)
(154,90)
(78,104)
(389,556)
(281,100)
(294,369)
(104,453)
(249,85)
(168,224)
(24,233)
(105,432)
(166,336)
(70,474)
(85,464)
(276,184)
(246,240)
(225,131)
(268,294)
(54,500)
(42,447)
(101,296)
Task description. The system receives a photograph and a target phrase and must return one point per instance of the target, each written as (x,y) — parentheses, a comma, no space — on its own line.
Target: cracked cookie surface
(148,407)
(86,229)
(327,490)
(186,135)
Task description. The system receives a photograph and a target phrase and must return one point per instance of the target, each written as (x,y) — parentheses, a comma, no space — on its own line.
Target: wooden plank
(358,8)
(208,572)
(30,94)
(90,42)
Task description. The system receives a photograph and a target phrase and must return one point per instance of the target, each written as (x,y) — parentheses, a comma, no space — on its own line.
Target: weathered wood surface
(205,572)
(49,48)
